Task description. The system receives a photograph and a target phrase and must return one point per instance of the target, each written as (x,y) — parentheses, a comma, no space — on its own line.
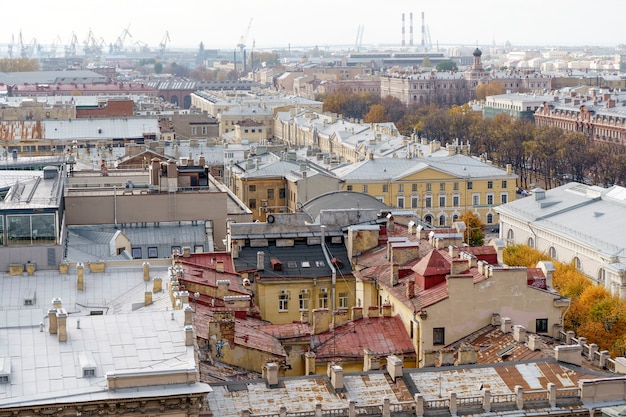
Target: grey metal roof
(45,371)
(380,169)
(293,261)
(29,190)
(51,77)
(341,200)
(586,214)
(118,128)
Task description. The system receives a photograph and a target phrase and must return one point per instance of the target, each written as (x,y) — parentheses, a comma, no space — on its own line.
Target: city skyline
(283,23)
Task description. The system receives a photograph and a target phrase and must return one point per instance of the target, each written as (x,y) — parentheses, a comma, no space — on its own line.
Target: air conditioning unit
(324,290)
(263,203)
(284,292)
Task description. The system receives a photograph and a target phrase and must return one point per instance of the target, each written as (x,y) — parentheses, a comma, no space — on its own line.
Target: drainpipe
(333,276)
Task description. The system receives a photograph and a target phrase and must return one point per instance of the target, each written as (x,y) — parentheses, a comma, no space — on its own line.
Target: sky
(221,24)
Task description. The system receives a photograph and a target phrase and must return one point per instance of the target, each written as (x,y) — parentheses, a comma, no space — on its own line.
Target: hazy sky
(279,23)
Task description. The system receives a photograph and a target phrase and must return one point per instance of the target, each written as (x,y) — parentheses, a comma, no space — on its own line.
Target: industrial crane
(92,45)
(242,45)
(119,43)
(70,50)
(163,44)
(10,48)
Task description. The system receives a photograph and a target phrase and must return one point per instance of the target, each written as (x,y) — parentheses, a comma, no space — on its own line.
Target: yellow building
(290,270)
(437,189)
(269,183)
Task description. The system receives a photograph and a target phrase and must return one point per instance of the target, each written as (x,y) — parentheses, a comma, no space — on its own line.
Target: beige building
(444,291)
(166,192)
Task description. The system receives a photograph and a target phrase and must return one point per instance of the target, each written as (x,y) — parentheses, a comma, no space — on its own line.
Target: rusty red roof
(381,335)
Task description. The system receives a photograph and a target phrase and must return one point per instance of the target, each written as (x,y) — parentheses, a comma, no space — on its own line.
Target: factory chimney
(411,29)
(423,32)
(403,42)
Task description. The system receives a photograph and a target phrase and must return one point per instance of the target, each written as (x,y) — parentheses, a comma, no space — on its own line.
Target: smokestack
(423,32)
(411,29)
(403,42)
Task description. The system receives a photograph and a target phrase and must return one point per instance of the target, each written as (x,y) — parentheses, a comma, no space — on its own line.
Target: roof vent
(5,370)
(49,173)
(87,364)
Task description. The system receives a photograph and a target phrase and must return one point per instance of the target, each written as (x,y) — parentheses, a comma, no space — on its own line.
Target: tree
(426,62)
(158,67)
(18,64)
(377,114)
(446,66)
(489,89)
(474,235)
(394,108)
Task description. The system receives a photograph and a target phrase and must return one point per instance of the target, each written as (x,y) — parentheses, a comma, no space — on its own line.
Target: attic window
(292,264)
(87,364)
(306,264)
(320,264)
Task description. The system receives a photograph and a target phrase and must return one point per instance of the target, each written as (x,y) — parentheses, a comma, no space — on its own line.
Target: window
(136,252)
(364,188)
(89,372)
(323,300)
(252,203)
(428,187)
(400,201)
(456,199)
(470,186)
(414,201)
(439,336)
(504,198)
(281,193)
(153,252)
(601,275)
(504,184)
(490,185)
(428,201)
(541,326)
(400,188)
(270,193)
(442,220)
(194,130)
(475,199)
(385,188)
(442,186)
(456,186)
(303,300)
(414,187)
(283,302)
(531,242)
(489,218)
(343,300)
(204,130)
(490,199)
(510,235)
(252,188)
(442,201)
(552,252)
(349,187)
(577,263)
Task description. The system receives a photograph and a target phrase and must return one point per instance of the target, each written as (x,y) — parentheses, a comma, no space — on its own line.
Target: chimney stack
(260,261)
(62,324)
(403,37)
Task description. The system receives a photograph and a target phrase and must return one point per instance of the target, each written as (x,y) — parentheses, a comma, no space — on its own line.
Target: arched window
(601,275)
(489,218)
(552,253)
(510,235)
(428,219)
(531,243)
(455,217)
(577,263)
(442,220)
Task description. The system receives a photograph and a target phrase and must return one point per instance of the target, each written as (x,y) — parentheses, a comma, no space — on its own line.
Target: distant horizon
(277,24)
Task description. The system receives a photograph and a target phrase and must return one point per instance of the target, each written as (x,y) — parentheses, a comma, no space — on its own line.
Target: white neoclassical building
(575,222)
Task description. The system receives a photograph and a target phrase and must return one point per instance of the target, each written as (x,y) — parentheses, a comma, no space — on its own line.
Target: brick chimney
(222,288)
(390,223)
(321,320)
(393,274)
(189,335)
(453,251)
(62,324)
(394,367)
(260,261)
(336,377)
(410,289)
(271,374)
(459,266)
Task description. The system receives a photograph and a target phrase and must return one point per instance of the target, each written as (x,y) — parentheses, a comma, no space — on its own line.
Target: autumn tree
(377,114)
(489,89)
(394,108)
(474,235)
(18,64)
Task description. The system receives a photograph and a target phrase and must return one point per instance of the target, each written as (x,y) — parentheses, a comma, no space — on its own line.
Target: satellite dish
(270,218)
